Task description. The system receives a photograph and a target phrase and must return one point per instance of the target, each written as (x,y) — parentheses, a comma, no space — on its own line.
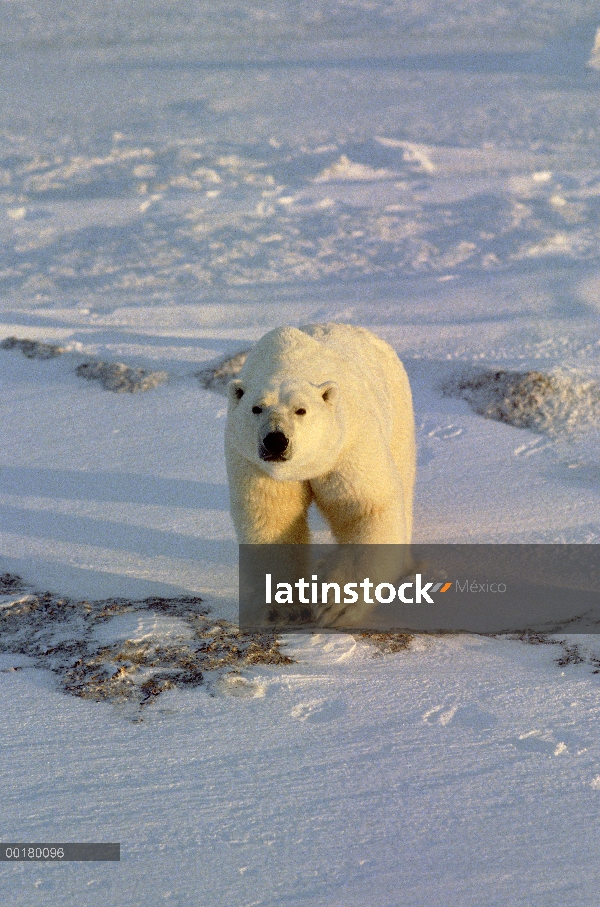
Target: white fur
(352,452)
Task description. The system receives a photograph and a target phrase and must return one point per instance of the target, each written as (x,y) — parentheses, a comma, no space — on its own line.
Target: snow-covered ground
(175,180)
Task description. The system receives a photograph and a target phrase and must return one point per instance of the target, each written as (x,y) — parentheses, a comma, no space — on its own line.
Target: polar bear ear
(329,391)
(235,390)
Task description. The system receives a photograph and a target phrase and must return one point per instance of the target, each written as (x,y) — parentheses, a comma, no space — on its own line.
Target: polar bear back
(328,352)
(384,383)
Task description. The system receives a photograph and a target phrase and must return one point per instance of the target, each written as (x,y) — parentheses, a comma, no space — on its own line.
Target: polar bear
(321,413)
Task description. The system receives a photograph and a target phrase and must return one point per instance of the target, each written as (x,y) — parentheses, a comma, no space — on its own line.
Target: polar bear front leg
(368,520)
(265,511)
(364,506)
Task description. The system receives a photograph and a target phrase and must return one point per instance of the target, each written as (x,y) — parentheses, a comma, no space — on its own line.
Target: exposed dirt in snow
(127,651)
(120,378)
(552,403)
(33,349)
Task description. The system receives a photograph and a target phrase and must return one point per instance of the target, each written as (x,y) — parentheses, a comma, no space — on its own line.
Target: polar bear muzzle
(273,446)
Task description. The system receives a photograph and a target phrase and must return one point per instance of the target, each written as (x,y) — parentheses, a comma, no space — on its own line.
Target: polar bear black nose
(275,443)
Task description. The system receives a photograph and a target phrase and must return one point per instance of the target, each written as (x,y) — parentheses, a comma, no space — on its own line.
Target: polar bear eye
(301,411)
(257,410)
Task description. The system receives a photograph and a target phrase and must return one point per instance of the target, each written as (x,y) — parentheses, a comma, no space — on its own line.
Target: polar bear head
(291,429)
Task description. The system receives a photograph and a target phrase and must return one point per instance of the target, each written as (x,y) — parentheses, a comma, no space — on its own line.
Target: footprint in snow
(465,716)
(318,710)
(474,718)
(441,432)
(530,448)
(240,688)
(539,742)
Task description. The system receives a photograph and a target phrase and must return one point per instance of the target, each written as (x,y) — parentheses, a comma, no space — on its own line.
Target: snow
(462,772)
(175,180)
